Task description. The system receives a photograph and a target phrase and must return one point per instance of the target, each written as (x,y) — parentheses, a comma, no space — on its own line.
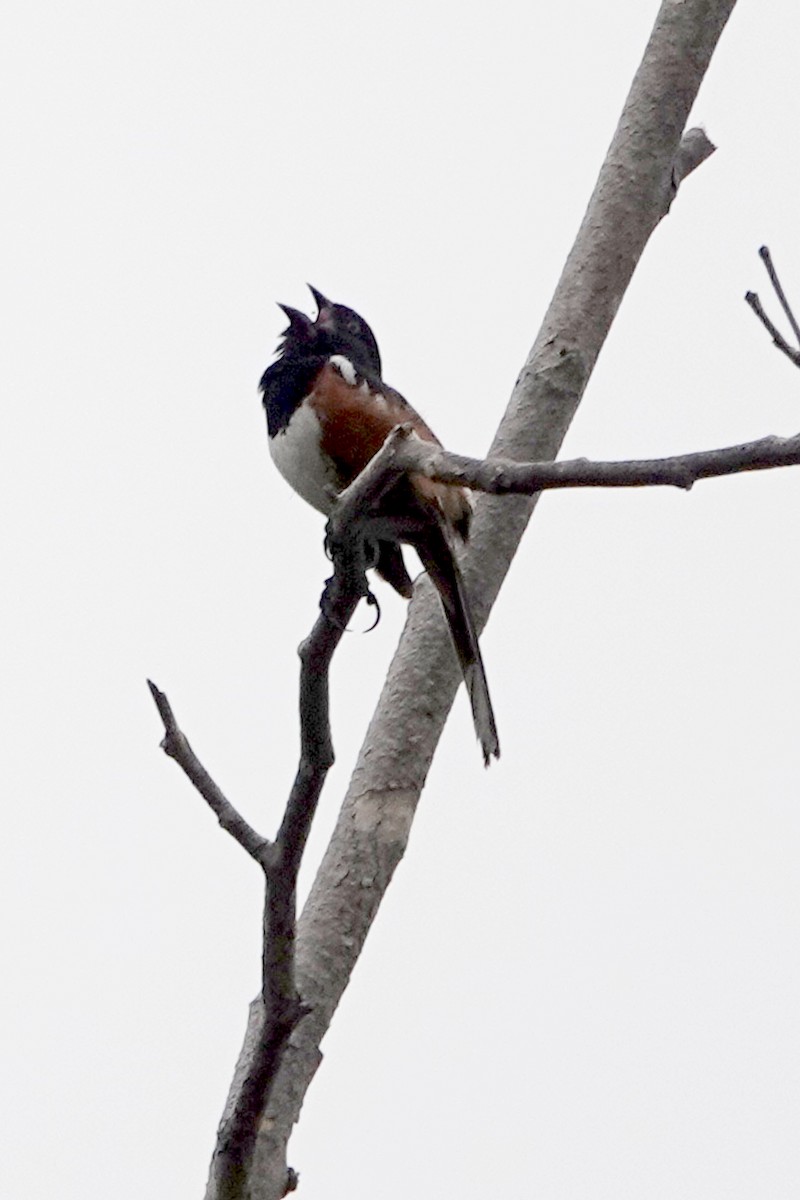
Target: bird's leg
(352,555)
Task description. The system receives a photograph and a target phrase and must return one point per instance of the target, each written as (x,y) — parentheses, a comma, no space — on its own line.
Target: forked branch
(280,1008)
(752,299)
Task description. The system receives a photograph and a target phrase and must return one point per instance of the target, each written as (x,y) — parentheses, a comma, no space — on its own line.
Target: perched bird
(328,413)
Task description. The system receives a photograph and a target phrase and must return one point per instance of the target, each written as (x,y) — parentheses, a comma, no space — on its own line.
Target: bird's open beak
(324,306)
(299,323)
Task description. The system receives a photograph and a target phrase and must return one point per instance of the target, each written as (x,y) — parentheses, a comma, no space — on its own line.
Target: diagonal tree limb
(279,1008)
(632,194)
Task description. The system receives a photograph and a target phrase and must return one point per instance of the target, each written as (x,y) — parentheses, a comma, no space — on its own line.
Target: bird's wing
(356,414)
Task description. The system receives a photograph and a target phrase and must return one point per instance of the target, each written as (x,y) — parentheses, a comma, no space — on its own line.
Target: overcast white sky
(585,979)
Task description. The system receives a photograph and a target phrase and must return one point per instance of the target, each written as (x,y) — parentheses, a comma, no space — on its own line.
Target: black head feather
(337,329)
(348,334)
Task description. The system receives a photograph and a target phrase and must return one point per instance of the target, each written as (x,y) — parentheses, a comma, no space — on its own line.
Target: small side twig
(694,148)
(766,258)
(176,746)
(753,300)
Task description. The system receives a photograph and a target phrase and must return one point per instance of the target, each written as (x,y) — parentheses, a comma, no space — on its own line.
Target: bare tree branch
(752,299)
(766,258)
(279,1008)
(777,337)
(403,452)
(176,745)
(633,192)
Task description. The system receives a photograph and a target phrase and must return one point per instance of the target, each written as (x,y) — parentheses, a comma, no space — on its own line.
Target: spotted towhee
(328,413)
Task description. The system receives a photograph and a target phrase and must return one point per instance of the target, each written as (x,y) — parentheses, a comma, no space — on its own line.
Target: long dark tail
(392,568)
(439,561)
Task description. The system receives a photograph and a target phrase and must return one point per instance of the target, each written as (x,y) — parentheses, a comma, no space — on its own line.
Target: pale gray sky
(585,979)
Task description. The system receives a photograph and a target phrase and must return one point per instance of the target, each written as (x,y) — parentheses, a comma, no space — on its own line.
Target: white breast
(297,454)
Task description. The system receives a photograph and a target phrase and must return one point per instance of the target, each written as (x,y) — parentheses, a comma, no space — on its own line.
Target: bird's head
(335,330)
(347,333)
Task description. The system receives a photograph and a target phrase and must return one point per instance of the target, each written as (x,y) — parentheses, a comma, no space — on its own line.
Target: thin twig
(766,258)
(777,337)
(176,745)
(752,299)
